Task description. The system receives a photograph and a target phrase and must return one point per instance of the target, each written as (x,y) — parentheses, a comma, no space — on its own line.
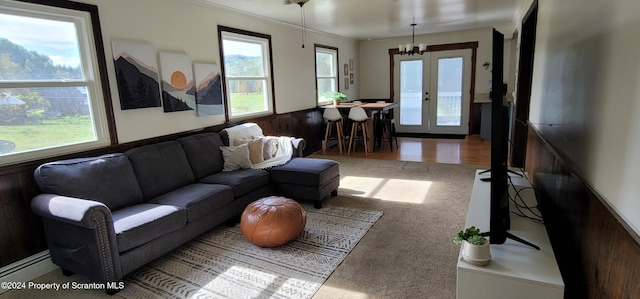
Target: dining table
(375,111)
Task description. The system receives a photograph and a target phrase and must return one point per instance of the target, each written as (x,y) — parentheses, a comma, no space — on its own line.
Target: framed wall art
(136,68)
(178,90)
(208,89)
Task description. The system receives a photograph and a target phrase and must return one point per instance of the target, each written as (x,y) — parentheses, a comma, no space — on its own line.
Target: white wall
(586,93)
(189,27)
(374,59)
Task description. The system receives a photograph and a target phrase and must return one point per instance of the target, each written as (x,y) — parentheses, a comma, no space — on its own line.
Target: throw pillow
(270,147)
(235,157)
(255,148)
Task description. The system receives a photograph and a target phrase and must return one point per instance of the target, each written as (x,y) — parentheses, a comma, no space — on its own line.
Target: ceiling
(381,19)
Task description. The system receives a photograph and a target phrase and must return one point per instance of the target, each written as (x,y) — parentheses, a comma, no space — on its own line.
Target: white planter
(479,255)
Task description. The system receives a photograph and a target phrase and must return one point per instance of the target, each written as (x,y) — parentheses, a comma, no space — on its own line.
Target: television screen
(499,222)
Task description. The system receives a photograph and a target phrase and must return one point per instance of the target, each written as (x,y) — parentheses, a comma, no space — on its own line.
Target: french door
(433,90)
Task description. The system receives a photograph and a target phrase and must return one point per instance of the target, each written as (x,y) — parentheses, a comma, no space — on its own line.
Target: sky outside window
(55,39)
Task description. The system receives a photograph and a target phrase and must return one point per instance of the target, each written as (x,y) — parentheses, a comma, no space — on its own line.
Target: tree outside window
(50,101)
(247,71)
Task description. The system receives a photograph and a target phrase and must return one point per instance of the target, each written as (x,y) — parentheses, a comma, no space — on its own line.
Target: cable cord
(524,209)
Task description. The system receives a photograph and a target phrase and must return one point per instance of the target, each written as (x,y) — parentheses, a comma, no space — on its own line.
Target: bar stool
(333,116)
(358,117)
(387,125)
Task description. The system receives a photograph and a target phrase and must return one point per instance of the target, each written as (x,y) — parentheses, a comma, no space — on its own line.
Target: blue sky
(56,39)
(242,48)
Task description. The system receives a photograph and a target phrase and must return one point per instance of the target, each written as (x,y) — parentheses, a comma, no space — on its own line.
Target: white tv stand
(516,270)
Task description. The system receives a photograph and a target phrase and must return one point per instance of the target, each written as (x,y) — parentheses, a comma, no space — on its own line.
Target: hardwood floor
(471,150)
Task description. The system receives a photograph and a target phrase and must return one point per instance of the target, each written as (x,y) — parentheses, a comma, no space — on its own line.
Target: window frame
(254,37)
(86,19)
(326,50)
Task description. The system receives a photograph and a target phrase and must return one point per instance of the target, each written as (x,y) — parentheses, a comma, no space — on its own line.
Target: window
(51,96)
(247,72)
(326,72)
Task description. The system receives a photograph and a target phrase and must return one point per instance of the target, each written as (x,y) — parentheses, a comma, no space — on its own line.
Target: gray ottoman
(306,179)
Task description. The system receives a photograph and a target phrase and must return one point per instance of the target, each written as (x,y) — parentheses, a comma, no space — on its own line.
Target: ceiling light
(410,49)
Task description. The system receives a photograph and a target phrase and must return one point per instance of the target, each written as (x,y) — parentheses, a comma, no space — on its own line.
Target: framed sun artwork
(177,84)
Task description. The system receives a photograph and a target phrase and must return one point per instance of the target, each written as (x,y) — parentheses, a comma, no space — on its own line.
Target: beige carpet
(408,253)
(223,264)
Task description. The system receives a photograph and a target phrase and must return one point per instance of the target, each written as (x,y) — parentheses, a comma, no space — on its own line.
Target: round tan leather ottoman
(273,221)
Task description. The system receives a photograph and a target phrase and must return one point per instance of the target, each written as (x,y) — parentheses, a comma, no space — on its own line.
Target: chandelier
(410,49)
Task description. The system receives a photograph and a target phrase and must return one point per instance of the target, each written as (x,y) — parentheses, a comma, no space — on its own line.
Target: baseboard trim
(27,269)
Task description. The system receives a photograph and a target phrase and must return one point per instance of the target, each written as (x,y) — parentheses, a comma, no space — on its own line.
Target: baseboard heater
(27,269)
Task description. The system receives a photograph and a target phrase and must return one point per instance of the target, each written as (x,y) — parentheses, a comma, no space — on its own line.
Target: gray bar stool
(386,125)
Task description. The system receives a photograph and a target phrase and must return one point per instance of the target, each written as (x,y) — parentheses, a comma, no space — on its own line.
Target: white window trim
(91,72)
(268,77)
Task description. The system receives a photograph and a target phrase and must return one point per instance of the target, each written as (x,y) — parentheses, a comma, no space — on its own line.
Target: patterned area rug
(222,264)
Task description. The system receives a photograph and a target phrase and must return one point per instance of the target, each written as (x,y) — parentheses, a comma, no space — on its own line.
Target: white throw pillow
(236,157)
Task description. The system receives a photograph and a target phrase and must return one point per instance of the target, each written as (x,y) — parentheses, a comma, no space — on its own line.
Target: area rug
(222,264)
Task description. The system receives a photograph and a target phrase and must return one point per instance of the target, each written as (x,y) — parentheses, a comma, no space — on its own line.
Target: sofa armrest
(299,144)
(80,236)
(71,210)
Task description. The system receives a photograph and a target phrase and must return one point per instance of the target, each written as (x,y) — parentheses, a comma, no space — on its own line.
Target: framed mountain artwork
(136,68)
(208,89)
(177,85)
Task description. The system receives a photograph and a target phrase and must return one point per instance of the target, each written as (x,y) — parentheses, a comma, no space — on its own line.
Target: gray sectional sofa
(106,216)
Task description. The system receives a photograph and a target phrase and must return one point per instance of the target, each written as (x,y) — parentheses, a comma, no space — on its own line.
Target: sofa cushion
(199,200)
(108,179)
(160,168)
(236,157)
(256,146)
(203,153)
(242,181)
(138,224)
(305,171)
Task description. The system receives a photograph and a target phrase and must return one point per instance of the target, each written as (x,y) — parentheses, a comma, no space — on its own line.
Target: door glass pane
(411,93)
(449,110)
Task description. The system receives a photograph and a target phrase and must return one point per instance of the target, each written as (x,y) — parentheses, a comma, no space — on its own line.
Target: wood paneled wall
(21,232)
(598,254)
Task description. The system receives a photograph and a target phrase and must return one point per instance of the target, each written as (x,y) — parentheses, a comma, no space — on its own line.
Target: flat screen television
(500,223)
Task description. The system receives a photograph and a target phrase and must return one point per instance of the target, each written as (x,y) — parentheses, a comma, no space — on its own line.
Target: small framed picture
(351,78)
(346,83)
(351,65)
(346,69)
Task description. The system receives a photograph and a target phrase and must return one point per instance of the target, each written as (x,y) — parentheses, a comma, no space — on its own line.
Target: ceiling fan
(302,16)
(299,2)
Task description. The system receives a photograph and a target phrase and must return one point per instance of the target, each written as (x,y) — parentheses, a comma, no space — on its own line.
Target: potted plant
(336,96)
(475,248)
